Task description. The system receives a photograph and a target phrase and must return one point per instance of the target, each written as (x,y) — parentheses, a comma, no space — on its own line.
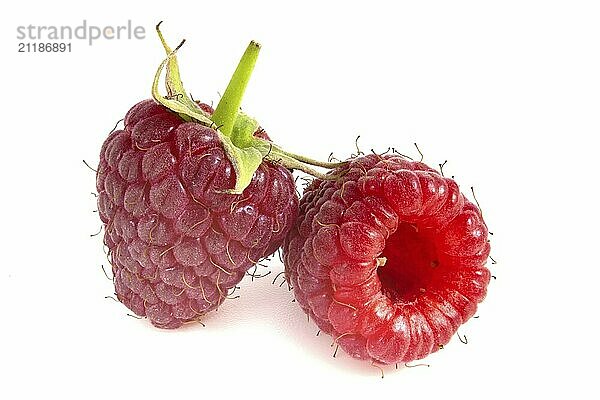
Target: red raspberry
(388,259)
(178,243)
(192,197)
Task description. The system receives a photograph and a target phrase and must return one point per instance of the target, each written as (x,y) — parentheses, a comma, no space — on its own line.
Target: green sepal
(173,78)
(177,99)
(175,104)
(245,162)
(243,130)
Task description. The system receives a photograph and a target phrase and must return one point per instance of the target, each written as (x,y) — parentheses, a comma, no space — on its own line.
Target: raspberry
(178,242)
(192,197)
(388,258)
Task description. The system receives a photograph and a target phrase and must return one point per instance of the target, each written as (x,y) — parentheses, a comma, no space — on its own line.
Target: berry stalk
(227,110)
(235,129)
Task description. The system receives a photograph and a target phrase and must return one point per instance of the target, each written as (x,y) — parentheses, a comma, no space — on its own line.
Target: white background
(508,92)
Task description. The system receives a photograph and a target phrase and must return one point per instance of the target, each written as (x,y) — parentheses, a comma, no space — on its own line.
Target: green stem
(227,110)
(276,155)
(310,161)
